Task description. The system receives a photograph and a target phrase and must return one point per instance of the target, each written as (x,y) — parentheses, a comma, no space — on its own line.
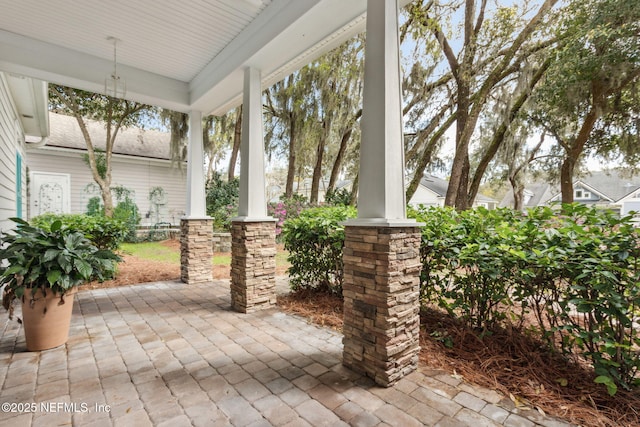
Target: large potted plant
(43,268)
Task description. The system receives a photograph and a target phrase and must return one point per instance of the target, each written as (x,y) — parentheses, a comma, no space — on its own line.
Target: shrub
(578,271)
(103,232)
(339,197)
(465,257)
(222,201)
(127,211)
(315,240)
(287,207)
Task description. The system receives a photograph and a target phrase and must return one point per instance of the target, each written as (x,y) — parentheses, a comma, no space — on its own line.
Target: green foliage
(101,162)
(95,207)
(126,211)
(315,240)
(56,259)
(340,197)
(222,201)
(577,272)
(103,232)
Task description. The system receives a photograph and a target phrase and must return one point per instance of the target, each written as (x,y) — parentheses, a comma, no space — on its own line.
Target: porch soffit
(178,55)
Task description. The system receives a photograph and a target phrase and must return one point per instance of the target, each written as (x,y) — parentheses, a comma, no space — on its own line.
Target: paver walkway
(169,354)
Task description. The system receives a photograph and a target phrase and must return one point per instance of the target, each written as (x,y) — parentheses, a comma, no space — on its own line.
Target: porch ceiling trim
(284,36)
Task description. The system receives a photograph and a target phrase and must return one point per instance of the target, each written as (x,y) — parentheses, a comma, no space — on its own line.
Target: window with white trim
(580,194)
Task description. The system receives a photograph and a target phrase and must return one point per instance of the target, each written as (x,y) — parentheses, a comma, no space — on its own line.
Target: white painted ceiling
(185,55)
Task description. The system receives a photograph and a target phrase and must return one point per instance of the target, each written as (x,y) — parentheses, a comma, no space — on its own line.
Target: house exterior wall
(134,173)
(12,198)
(424,196)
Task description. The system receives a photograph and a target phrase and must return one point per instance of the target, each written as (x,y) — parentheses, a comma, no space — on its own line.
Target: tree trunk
(337,163)
(291,172)
(574,152)
(518,193)
(425,158)
(459,169)
(237,139)
(354,191)
(500,133)
(317,169)
(344,142)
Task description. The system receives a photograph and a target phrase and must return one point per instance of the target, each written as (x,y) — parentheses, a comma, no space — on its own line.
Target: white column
(252,205)
(196,200)
(381,193)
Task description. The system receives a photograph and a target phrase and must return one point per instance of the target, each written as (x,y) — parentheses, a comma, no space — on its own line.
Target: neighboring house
(433,190)
(612,189)
(23,118)
(535,194)
(61,181)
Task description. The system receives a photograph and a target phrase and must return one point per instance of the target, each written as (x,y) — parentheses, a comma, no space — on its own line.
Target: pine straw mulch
(509,362)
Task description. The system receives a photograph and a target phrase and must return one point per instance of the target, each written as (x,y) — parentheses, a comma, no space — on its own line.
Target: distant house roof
(536,193)
(610,185)
(439,186)
(131,141)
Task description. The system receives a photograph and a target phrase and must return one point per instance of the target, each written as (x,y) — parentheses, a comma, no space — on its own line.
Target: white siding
(137,174)
(10,146)
(424,196)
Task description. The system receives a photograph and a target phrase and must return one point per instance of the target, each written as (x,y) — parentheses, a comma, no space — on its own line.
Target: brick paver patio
(170,354)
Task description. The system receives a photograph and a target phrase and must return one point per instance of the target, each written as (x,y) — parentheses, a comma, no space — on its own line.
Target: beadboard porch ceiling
(185,56)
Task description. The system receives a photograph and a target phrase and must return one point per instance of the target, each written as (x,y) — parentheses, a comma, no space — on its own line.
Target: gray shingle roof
(65,133)
(612,183)
(439,186)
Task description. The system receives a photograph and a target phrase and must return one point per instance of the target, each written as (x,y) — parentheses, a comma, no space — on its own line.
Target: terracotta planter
(46,321)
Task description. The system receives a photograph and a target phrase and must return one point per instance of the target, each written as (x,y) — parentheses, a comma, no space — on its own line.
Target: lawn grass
(155,251)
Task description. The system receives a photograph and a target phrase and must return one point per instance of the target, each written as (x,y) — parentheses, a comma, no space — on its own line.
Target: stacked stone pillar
(253,265)
(196,250)
(381,301)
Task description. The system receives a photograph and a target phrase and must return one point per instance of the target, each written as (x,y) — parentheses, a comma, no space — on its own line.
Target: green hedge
(576,271)
(103,232)
(314,240)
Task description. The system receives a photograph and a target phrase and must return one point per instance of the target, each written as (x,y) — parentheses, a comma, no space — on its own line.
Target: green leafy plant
(339,197)
(56,260)
(315,240)
(577,270)
(103,232)
(127,211)
(222,201)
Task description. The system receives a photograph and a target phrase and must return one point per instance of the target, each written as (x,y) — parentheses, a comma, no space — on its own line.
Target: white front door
(50,192)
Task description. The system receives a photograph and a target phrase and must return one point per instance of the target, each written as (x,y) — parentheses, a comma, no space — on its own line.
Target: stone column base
(196,250)
(253,265)
(381,301)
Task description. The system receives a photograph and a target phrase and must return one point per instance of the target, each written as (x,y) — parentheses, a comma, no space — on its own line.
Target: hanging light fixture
(114,85)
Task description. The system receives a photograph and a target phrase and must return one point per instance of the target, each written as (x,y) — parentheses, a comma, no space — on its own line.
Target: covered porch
(207,59)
